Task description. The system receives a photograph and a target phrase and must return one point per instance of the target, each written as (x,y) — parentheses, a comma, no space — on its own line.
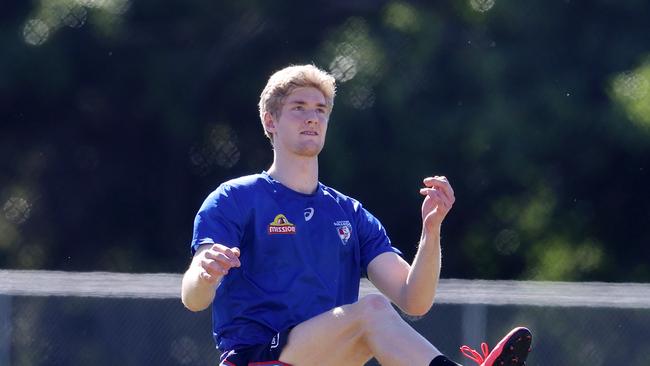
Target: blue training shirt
(301,255)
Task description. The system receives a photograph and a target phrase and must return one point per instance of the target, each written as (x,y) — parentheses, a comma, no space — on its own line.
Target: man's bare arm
(210,264)
(413,287)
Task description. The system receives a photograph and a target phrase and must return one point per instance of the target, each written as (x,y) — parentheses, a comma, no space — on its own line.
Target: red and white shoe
(511,351)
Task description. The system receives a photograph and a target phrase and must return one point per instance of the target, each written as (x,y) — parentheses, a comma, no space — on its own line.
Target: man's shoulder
(243,185)
(341,198)
(246,181)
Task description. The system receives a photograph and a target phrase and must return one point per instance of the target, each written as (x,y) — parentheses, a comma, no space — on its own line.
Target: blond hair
(285,81)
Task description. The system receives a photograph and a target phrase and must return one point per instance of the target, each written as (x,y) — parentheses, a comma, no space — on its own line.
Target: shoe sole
(515,351)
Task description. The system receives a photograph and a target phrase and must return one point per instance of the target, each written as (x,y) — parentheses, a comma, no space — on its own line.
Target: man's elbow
(419,308)
(193,306)
(418,311)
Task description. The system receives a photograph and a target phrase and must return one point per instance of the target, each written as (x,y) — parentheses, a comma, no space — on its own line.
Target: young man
(280,255)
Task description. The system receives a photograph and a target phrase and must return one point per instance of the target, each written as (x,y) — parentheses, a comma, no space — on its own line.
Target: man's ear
(269,122)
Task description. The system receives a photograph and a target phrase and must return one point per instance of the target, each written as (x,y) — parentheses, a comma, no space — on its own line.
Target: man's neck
(297,173)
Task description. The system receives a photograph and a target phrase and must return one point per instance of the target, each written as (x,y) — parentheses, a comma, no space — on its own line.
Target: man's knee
(375,302)
(375,308)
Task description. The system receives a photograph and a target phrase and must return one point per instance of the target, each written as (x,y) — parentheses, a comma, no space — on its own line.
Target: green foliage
(119,117)
(631,90)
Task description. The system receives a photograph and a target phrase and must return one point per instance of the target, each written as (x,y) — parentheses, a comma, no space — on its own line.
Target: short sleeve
(219,220)
(373,239)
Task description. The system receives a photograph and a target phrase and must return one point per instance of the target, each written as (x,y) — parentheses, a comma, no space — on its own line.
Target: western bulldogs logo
(344,230)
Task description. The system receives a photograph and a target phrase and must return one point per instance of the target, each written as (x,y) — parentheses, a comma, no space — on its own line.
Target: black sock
(443,361)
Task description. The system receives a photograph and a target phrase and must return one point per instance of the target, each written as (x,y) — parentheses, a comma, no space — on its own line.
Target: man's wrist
(430,233)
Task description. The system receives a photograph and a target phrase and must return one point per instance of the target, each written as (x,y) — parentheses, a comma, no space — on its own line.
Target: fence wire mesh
(107,329)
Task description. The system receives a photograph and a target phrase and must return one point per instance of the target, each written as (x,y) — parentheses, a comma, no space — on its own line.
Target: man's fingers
(437,181)
(435,194)
(232,254)
(428,181)
(441,183)
(223,259)
(438,198)
(427,191)
(205,276)
(212,270)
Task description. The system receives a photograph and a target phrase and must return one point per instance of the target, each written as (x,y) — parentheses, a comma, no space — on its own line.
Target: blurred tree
(119,117)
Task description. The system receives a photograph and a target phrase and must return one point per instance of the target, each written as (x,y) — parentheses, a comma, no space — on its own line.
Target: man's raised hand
(439,198)
(217,261)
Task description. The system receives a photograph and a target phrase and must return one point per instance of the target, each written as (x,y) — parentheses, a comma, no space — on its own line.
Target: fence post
(474,325)
(5,329)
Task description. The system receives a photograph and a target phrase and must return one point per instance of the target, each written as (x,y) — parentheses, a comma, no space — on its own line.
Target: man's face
(302,124)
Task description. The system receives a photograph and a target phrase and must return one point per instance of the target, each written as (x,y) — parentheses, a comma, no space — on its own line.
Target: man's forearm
(196,294)
(423,277)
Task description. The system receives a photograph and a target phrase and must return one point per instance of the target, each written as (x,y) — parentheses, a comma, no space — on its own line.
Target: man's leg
(352,334)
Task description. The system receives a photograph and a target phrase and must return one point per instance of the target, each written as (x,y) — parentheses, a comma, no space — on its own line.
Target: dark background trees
(119,117)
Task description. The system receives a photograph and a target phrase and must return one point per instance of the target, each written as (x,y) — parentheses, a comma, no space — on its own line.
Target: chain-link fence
(113,328)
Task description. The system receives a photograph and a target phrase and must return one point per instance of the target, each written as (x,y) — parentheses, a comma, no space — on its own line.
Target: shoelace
(475,356)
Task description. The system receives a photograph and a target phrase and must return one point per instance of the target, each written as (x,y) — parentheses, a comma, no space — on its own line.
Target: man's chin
(309,150)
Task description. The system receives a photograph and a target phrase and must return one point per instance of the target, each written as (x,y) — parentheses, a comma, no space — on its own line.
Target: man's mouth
(309,133)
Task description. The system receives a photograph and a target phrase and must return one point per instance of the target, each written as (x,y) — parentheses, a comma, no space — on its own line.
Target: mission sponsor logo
(281,225)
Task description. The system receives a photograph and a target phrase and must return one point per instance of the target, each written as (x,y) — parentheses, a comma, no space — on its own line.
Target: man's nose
(312,118)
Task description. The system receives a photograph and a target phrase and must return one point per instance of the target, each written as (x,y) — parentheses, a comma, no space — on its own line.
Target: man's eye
(321,111)
(298,108)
